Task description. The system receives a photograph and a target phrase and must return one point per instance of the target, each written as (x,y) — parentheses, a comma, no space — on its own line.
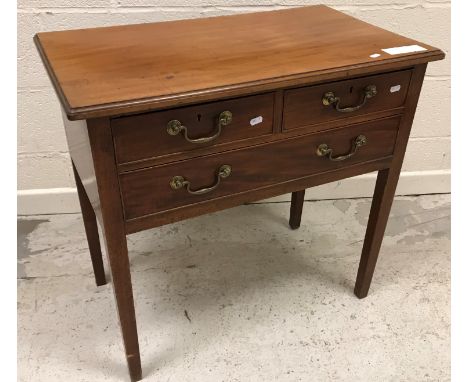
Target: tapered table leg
(295,214)
(113,220)
(122,283)
(385,188)
(91,229)
(380,210)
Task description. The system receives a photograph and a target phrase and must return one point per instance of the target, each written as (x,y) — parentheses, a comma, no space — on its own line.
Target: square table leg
(102,149)
(295,214)
(92,232)
(380,210)
(385,187)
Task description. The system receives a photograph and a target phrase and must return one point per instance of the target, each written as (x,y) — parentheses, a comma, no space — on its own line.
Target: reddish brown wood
(284,62)
(385,190)
(123,69)
(275,137)
(92,232)
(100,138)
(232,200)
(278,118)
(145,136)
(147,191)
(295,213)
(80,152)
(303,106)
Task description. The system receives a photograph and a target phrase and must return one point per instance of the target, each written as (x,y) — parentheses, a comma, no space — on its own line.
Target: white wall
(45,179)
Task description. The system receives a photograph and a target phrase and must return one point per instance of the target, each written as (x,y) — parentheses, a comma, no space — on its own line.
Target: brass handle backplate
(329,98)
(325,150)
(179,182)
(174,127)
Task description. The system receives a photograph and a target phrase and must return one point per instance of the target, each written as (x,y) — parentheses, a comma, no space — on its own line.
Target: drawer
(319,104)
(165,187)
(190,128)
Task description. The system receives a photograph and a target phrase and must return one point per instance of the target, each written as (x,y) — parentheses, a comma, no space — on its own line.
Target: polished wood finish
(385,187)
(147,191)
(277,136)
(212,58)
(101,141)
(145,136)
(212,205)
(92,232)
(126,85)
(295,213)
(304,107)
(81,153)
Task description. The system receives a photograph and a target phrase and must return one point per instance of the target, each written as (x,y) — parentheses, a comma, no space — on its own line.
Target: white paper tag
(256,120)
(404,49)
(395,88)
(375,55)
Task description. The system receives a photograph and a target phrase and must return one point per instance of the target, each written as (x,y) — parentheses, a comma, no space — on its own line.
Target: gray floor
(238,296)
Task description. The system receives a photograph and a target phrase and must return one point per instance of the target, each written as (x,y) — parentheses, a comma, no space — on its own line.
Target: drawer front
(319,104)
(151,135)
(156,189)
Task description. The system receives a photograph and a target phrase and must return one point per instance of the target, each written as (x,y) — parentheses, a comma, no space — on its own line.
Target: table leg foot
(134,367)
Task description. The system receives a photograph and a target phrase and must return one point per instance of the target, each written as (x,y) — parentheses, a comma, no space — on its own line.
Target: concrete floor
(238,296)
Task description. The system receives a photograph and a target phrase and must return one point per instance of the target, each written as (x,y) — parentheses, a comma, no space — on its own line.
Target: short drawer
(155,189)
(319,104)
(190,128)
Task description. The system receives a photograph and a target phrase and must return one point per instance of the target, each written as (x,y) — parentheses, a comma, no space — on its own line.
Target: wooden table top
(130,68)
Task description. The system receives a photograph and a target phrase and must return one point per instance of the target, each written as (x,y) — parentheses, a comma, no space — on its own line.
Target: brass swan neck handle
(179,182)
(329,98)
(324,150)
(174,127)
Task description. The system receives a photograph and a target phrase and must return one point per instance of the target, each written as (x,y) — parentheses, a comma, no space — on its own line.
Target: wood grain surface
(145,136)
(147,191)
(132,68)
(303,106)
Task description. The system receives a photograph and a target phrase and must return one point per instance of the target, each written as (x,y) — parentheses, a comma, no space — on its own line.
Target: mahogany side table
(167,121)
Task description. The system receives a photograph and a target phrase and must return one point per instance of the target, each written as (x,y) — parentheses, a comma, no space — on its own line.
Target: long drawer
(190,128)
(338,101)
(169,186)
